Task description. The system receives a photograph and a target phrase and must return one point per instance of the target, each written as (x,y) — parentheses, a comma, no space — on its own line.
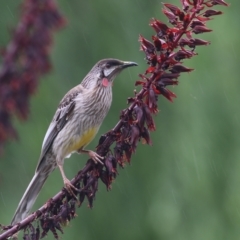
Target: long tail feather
(29,197)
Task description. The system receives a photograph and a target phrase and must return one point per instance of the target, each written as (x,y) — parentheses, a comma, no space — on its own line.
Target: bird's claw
(95,157)
(69,187)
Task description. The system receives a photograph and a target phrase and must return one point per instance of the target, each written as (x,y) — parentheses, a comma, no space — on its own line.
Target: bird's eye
(108,65)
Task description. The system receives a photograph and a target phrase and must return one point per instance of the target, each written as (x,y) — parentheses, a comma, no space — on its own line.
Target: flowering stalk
(164,55)
(25,60)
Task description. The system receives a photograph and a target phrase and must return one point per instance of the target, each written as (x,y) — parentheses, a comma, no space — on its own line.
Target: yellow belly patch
(84,140)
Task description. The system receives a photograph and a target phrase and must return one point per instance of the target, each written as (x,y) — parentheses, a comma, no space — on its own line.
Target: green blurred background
(187,185)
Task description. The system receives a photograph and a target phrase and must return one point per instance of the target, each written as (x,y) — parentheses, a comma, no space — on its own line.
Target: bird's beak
(128,64)
(121,65)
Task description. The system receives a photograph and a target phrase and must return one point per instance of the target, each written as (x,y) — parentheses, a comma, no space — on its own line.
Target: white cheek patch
(108,71)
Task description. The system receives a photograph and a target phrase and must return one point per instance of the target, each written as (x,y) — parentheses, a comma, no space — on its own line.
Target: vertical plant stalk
(164,55)
(25,60)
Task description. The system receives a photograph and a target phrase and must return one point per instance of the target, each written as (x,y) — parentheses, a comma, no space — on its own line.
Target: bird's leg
(68,185)
(93,155)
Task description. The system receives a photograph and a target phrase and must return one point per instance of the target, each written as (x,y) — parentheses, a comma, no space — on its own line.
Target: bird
(76,122)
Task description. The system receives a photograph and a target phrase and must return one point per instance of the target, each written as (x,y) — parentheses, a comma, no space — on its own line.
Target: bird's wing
(61,117)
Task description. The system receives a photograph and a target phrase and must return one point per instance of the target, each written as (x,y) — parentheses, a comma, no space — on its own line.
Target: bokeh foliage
(186,186)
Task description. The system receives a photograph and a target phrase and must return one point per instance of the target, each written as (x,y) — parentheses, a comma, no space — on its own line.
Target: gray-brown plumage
(75,123)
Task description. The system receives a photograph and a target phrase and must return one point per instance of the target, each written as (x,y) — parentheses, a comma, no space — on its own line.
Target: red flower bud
(139,82)
(179,68)
(219,2)
(111,166)
(198,42)
(90,200)
(166,82)
(134,137)
(171,16)
(183,54)
(105,179)
(146,136)
(185,4)
(168,94)
(183,42)
(160,28)
(157,43)
(81,197)
(151,100)
(118,153)
(196,23)
(174,9)
(146,45)
(128,152)
(150,123)
(211,12)
(170,75)
(201,29)
(150,70)
(139,116)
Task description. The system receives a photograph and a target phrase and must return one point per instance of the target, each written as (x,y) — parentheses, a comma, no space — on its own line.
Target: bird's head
(104,72)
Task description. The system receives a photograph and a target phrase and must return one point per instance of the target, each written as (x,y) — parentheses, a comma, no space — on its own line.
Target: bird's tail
(29,197)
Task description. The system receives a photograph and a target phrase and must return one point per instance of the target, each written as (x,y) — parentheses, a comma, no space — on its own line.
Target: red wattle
(105,82)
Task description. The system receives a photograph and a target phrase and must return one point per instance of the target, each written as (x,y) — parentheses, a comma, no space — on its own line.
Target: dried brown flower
(25,60)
